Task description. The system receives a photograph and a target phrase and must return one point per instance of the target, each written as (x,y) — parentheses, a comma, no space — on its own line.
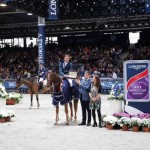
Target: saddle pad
(58,97)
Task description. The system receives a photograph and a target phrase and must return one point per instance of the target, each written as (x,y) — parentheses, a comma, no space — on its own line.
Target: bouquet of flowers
(116,93)
(124,121)
(3,93)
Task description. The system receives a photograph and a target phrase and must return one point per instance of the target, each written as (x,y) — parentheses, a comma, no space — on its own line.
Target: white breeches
(70,81)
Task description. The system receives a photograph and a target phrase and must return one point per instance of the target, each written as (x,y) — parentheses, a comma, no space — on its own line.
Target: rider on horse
(41,74)
(64,68)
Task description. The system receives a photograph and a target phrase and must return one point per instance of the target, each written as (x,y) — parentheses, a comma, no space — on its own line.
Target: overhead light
(29,14)
(67,28)
(3,5)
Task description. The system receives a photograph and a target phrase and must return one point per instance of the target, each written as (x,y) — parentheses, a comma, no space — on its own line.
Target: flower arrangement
(5,116)
(122,114)
(111,120)
(15,96)
(124,121)
(3,93)
(146,123)
(116,93)
(136,122)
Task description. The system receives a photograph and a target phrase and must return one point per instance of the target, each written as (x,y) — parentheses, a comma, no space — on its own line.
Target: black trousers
(85,107)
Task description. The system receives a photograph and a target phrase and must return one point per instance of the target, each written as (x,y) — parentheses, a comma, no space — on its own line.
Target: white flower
(124,121)
(4,114)
(146,122)
(136,121)
(110,119)
(16,96)
(3,93)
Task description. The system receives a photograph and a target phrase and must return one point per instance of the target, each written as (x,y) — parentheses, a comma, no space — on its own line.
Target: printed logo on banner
(137,79)
(12,84)
(53,10)
(40,46)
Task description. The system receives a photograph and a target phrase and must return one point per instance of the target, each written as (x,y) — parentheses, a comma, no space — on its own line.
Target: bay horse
(33,86)
(55,83)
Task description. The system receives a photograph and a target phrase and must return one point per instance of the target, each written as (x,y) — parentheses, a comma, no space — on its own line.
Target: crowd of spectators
(16,61)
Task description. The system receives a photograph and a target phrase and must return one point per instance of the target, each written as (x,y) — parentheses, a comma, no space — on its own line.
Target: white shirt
(114,75)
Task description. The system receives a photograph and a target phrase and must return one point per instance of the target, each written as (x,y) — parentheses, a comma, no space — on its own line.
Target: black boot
(99,117)
(41,85)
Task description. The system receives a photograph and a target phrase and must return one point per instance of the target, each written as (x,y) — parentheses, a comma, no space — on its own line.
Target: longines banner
(137,80)
(53,10)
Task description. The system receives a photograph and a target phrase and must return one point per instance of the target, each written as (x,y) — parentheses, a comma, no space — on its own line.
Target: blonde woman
(95,100)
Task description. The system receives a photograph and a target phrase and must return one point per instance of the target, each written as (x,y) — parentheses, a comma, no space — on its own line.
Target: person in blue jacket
(84,89)
(65,66)
(41,74)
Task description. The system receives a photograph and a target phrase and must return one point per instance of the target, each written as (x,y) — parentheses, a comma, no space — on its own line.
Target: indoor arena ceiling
(75,16)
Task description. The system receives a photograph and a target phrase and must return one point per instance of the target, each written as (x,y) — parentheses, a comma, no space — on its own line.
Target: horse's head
(18,82)
(53,79)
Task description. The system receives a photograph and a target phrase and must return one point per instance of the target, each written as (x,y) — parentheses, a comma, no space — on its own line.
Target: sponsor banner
(106,85)
(137,80)
(53,10)
(41,44)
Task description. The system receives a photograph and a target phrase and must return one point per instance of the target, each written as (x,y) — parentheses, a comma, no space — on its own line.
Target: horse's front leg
(75,108)
(71,110)
(57,115)
(67,116)
(31,104)
(37,98)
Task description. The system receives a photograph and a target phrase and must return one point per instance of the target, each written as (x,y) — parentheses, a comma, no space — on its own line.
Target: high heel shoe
(94,125)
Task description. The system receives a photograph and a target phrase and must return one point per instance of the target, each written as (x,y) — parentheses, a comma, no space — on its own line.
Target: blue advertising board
(105,82)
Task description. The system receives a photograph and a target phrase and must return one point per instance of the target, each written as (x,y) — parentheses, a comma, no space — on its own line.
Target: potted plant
(110,121)
(3,96)
(5,116)
(146,124)
(116,97)
(136,123)
(2,120)
(124,122)
(13,98)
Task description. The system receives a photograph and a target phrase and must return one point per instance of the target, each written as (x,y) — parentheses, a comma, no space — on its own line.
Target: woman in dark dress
(95,100)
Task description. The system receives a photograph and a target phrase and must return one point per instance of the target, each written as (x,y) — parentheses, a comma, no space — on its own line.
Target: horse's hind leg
(31,104)
(75,108)
(71,110)
(67,116)
(57,114)
(37,98)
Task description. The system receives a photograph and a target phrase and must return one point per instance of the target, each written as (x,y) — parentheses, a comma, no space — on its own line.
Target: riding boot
(41,85)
